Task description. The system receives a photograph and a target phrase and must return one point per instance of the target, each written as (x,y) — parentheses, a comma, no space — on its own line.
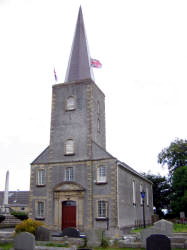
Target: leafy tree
(161,191)
(174,156)
(179,190)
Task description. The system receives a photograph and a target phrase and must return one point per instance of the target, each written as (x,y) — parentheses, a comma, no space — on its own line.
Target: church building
(75,182)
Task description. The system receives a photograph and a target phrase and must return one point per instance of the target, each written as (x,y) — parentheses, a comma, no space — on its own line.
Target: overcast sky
(143,48)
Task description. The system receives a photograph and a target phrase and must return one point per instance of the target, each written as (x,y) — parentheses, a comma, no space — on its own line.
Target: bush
(20,215)
(104,241)
(170,216)
(2,217)
(28,225)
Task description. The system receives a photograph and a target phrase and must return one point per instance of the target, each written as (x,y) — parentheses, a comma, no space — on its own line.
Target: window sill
(66,154)
(70,109)
(101,219)
(100,182)
(39,218)
(40,185)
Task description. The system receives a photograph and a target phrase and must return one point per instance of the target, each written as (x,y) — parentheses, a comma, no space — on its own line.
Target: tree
(161,191)
(179,190)
(174,156)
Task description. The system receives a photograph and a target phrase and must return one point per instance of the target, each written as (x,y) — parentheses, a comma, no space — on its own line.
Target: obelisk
(5,201)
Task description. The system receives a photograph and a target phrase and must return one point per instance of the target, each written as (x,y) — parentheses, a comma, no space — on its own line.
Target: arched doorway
(68,214)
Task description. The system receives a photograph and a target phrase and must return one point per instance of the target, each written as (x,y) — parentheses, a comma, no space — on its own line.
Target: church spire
(79,61)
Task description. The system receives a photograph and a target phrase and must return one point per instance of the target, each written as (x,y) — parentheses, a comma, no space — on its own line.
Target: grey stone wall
(69,124)
(79,124)
(98,99)
(132,214)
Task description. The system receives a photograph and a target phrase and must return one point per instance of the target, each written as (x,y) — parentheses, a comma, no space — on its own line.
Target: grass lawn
(6,246)
(109,248)
(180,228)
(177,228)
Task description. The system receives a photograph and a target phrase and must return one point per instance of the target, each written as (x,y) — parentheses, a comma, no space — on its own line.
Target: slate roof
(16,198)
(47,156)
(128,168)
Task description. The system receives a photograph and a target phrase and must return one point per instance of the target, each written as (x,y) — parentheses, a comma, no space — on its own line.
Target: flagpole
(55,76)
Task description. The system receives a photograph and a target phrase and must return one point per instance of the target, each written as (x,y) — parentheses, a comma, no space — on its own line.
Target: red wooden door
(68,214)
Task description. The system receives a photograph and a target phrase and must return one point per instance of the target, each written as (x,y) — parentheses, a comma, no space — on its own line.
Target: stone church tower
(75,182)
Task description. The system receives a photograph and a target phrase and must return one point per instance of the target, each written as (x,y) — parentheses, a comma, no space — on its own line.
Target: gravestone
(164,226)
(160,227)
(94,237)
(24,241)
(158,242)
(42,234)
(71,232)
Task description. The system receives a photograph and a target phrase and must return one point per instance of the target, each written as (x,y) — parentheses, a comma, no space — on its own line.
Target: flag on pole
(95,63)
(55,75)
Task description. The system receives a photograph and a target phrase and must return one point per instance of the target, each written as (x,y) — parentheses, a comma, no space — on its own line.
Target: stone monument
(5,207)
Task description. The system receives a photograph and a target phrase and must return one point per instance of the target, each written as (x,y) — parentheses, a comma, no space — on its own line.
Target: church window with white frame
(69,176)
(70,103)
(40,213)
(69,147)
(102,209)
(101,174)
(40,178)
(141,199)
(147,196)
(133,193)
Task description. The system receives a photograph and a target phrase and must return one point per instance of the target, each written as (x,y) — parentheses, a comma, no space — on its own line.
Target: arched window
(98,126)
(98,107)
(133,193)
(70,103)
(69,147)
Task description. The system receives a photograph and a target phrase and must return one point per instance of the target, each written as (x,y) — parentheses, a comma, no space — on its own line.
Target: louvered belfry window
(69,147)
(70,103)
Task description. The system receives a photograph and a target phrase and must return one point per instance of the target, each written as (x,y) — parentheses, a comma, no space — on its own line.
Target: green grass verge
(177,228)
(109,248)
(6,246)
(180,228)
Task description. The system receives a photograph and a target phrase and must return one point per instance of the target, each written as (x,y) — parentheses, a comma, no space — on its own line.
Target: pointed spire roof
(79,61)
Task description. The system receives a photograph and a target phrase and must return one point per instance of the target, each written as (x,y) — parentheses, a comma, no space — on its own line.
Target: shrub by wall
(28,225)
(20,215)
